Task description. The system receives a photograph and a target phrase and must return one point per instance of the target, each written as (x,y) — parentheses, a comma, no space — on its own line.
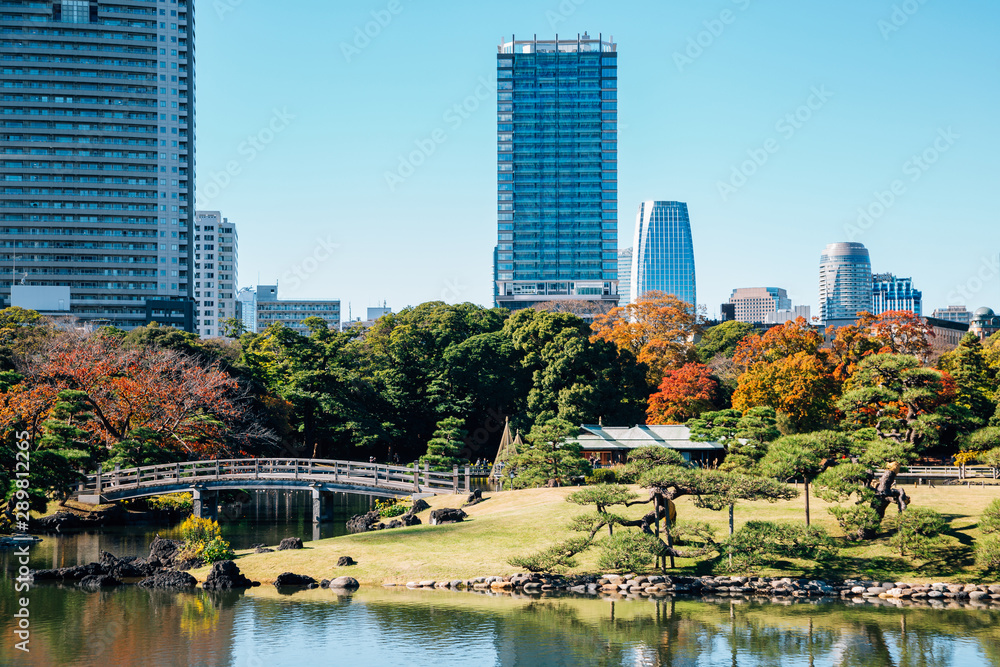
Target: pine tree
(444,447)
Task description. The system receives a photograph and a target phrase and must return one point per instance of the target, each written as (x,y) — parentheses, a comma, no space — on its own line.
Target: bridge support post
(205,503)
(322,505)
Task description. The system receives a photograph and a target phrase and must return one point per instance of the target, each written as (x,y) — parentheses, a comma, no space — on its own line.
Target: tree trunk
(669,527)
(807,501)
(885,495)
(730,534)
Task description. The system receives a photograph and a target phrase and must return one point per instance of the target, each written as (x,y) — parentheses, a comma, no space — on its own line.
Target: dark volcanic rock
(325,583)
(395,523)
(290,543)
(290,579)
(474,498)
(225,574)
(344,561)
(162,552)
(169,579)
(75,573)
(129,567)
(98,581)
(263,550)
(362,523)
(58,522)
(409,519)
(447,515)
(419,505)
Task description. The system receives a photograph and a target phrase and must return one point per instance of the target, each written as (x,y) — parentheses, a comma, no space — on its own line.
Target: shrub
(215,550)
(989,522)
(390,508)
(555,558)
(854,520)
(602,476)
(917,530)
(195,530)
(180,502)
(629,551)
(759,543)
(988,554)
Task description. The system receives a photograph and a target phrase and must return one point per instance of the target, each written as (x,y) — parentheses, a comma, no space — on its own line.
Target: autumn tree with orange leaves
(659,329)
(785,368)
(143,397)
(683,394)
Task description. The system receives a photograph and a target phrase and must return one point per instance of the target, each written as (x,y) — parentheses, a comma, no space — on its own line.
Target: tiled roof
(676,436)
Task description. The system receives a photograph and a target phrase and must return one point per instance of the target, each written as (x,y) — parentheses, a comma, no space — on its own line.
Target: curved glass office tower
(663,251)
(845,283)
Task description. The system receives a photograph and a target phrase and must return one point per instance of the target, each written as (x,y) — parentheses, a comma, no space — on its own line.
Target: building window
(76,11)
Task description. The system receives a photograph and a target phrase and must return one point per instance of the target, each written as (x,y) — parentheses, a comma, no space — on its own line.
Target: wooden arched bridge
(322,477)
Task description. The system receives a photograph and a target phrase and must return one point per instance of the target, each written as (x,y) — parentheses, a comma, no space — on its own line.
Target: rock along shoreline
(782,590)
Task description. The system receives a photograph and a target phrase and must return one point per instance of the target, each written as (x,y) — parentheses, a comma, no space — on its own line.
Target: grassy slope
(520,522)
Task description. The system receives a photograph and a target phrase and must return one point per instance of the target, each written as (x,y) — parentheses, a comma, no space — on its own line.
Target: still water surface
(389,626)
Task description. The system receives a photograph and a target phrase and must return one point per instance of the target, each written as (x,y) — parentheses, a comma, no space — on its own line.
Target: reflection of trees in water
(128,626)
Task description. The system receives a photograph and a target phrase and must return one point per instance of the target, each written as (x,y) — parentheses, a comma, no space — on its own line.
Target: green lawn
(519,522)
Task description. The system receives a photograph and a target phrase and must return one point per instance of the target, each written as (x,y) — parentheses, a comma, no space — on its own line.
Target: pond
(377,626)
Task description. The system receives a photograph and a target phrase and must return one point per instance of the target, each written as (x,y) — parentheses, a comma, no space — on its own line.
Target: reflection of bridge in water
(322,477)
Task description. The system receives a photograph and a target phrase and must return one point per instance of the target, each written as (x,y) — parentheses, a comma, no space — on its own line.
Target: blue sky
(777,122)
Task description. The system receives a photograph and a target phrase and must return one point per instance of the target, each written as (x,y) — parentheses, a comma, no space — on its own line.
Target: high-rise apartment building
(97,154)
(663,251)
(557,172)
(892,293)
(845,283)
(624,276)
(216,265)
(754,304)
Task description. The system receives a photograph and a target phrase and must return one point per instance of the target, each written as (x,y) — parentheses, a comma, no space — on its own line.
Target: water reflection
(399,627)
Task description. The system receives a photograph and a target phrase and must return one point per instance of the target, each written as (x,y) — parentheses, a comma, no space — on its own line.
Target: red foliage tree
(183,404)
(683,394)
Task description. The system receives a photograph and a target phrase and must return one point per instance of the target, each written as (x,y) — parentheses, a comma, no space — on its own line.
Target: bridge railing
(396,478)
(950,472)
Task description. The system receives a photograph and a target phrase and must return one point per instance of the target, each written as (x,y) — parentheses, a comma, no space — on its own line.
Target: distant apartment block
(246,309)
(958,314)
(754,304)
(291,313)
(624,276)
(216,259)
(785,315)
(892,293)
(947,333)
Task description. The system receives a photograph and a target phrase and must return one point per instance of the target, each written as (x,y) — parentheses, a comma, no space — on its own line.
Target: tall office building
(892,293)
(624,276)
(754,304)
(98,154)
(664,251)
(557,172)
(845,283)
(216,266)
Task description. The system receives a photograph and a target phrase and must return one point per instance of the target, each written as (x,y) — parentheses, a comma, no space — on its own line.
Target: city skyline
(866,115)
(684,128)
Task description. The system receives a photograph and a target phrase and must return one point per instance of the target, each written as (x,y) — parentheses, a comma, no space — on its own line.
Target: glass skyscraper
(845,283)
(663,251)
(557,172)
(98,147)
